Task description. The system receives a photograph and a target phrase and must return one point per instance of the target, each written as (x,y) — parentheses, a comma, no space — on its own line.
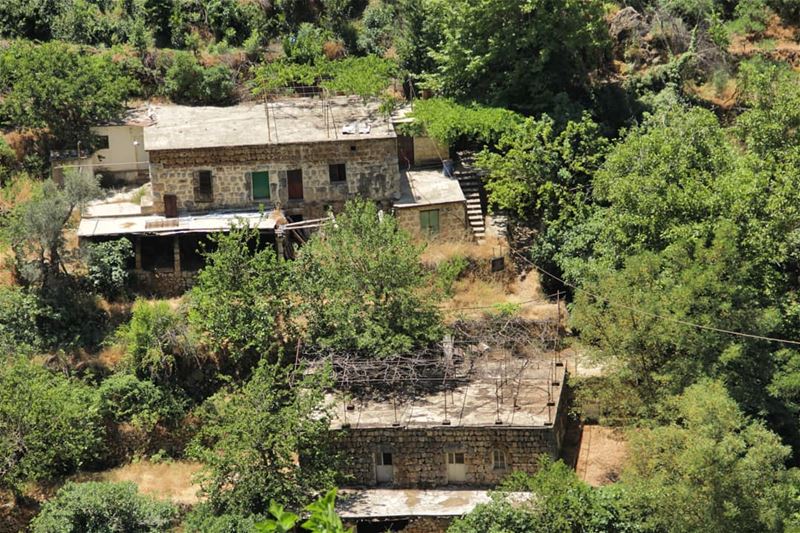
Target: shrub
(379,25)
(188,82)
(49,425)
(19,312)
(107,266)
(306,45)
(125,398)
(202,518)
(100,507)
(155,339)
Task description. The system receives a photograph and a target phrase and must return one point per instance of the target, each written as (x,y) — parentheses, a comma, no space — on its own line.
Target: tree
(49,425)
(37,227)
(188,82)
(241,306)
(60,89)
(322,518)
(97,507)
(363,287)
(518,54)
(556,501)
(265,441)
(724,471)
(107,264)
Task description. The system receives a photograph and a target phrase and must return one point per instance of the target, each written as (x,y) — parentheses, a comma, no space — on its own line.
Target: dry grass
(167,481)
(437,252)
(602,455)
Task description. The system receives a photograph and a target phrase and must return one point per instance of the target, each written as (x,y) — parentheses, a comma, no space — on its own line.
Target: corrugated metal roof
(161,225)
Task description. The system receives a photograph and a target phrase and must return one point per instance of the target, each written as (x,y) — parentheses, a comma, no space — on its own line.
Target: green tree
(518,54)
(556,501)
(97,507)
(188,82)
(60,89)
(36,228)
(363,287)
(107,266)
(241,305)
(723,471)
(49,425)
(265,441)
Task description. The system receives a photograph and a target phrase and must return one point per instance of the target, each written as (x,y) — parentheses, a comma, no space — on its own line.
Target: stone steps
(471,187)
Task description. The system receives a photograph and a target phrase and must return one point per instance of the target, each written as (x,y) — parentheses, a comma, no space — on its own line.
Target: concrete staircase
(471,186)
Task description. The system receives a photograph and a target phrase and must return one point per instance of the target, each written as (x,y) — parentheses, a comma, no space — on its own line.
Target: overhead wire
(650,314)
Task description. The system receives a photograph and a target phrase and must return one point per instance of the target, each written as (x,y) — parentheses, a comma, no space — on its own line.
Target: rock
(625,24)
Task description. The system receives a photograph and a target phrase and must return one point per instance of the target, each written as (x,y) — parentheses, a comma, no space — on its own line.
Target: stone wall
(371,168)
(427,524)
(452,221)
(419,454)
(164,284)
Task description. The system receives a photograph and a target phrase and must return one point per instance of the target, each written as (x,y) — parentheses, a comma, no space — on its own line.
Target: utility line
(654,315)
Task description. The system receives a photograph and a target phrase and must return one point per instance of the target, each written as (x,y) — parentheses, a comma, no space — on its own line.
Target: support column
(137,246)
(176,251)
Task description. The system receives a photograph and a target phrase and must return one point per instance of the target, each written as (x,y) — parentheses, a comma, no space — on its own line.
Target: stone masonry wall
(427,524)
(371,168)
(419,454)
(452,221)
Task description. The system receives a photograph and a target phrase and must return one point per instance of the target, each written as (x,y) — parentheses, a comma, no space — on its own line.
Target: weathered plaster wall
(429,152)
(372,172)
(452,221)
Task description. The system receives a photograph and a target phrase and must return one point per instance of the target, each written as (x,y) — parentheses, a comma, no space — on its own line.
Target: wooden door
(295,181)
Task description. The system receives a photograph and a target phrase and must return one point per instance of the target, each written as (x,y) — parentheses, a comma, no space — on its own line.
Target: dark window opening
(158,254)
(295,181)
(192,247)
(338,172)
(204,192)
(102,142)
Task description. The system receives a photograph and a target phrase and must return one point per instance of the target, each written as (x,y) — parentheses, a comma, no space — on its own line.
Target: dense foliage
(363,287)
(264,441)
(49,424)
(96,507)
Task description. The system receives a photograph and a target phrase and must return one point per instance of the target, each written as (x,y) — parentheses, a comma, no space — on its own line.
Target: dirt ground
(168,481)
(601,455)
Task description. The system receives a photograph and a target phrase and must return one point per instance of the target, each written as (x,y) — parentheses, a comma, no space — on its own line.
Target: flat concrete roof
(295,120)
(518,392)
(428,187)
(398,503)
(161,225)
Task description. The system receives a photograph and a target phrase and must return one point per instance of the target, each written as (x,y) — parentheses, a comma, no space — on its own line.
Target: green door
(260,185)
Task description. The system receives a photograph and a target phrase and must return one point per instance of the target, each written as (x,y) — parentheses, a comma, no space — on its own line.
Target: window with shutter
(260,185)
(204,189)
(429,221)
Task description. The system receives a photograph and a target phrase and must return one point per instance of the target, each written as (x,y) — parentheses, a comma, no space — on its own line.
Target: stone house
(447,446)
(294,159)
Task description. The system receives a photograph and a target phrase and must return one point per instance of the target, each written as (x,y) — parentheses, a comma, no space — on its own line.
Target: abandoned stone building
(415,462)
(270,164)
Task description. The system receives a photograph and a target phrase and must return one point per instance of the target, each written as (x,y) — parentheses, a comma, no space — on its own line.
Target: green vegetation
(49,425)
(368,273)
(100,507)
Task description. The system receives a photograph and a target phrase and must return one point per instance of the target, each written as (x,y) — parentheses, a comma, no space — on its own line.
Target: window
(294,179)
(384,467)
(456,467)
(102,142)
(429,221)
(499,460)
(204,191)
(260,185)
(455,458)
(158,254)
(338,172)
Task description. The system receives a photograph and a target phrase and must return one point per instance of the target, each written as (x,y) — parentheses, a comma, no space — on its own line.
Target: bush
(19,312)
(155,340)
(125,398)
(99,507)
(202,518)
(188,82)
(107,266)
(306,45)
(379,25)
(49,425)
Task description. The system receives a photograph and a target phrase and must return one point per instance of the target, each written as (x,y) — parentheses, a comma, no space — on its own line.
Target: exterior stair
(472,188)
